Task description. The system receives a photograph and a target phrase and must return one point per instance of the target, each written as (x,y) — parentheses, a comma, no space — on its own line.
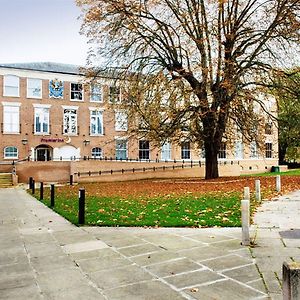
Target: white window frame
(15,121)
(121,120)
(76,120)
(40,88)
(99,114)
(5,86)
(253,147)
(239,150)
(37,107)
(77,91)
(269,150)
(222,153)
(166,148)
(10,157)
(100,94)
(144,150)
(123,150)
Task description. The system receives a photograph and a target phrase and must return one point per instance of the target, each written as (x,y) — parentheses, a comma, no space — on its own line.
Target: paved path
(278,239)
(43,256)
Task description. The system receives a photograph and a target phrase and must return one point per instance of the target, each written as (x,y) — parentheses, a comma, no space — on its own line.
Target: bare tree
(193,61)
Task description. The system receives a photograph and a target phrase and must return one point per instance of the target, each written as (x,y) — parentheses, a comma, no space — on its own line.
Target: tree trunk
(211,159)
(282,152)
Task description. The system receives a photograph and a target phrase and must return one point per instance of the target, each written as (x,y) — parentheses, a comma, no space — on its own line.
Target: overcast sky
(41,30)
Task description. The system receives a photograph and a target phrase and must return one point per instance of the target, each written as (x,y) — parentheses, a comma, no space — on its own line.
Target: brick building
(46,113)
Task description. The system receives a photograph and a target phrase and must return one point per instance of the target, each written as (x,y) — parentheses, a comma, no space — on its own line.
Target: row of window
(121,151)
(11,119)
(11,88)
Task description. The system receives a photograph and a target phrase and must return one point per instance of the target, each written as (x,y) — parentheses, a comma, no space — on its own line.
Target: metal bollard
(33,186)
(41,191)
(30,182)
(71,179)
(81,206)
(52,195)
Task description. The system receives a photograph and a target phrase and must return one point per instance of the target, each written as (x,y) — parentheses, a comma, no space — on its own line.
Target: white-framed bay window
(11,86)
(70,114)
(11,117)
(41,118)
(121,120)
(34,88)
(239,150)
(253,150)
(96,121)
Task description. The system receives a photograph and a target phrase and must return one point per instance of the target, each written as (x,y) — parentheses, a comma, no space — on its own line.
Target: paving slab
(84,246)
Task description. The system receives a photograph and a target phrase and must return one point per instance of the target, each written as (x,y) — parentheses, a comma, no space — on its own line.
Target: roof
(46,67)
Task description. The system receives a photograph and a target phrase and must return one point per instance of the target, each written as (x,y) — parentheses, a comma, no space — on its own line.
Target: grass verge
(205,210)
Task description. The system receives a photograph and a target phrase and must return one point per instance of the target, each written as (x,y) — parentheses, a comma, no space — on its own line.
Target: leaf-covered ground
(188,202)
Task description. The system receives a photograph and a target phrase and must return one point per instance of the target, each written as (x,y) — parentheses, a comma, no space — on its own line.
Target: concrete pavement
(43,256)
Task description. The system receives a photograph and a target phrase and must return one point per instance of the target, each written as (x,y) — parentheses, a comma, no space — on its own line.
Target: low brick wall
(49,171)
(254,166)
(6,168)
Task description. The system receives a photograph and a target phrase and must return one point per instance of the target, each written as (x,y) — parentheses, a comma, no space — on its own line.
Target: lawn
(164,203)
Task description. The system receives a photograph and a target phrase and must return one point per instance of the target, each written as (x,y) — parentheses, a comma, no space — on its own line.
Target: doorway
(43,153)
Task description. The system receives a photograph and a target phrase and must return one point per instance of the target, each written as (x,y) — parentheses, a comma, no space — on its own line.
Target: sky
(41,30)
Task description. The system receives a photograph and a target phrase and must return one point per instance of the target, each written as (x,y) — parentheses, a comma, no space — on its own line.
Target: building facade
(47,113)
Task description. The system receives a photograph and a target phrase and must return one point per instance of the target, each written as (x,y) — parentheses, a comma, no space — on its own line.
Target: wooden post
(278,183)
(52,195)
(246,193)
(291,281)
(245,208)
(41,191)
(81,206)
(257,190)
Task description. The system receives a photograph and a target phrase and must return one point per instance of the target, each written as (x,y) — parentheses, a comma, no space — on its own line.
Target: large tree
(195,62)
(286,88)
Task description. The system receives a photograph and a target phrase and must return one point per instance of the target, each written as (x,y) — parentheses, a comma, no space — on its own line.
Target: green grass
(294,172)
(214,209)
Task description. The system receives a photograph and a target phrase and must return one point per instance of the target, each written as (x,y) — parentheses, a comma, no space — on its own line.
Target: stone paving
(43,256)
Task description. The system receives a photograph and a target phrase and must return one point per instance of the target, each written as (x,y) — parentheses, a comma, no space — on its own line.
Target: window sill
(70,134)
(11,133)
(76,100)
(10,158)
(42,133)
(100,134)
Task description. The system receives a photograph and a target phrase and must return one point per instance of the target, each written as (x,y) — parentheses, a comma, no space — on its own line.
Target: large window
(121,123)
(166,151)
(11,86)
(11,152)
(96,93)
(70,121)
(222,151)
(11,117)
(114,94)
(121,149)
(239,150)
(41,120)
(76,92)
(96,152)
(269,149)
(253,150)
(185,150)
(144,150)
(96,122)
(34,88)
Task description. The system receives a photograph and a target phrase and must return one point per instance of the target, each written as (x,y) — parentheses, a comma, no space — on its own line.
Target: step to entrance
(6,180)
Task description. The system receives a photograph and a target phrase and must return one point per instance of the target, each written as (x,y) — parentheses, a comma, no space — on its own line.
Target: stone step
(5,180)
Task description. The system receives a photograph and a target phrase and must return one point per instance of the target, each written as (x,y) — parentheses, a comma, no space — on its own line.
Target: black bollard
(81,206)
(71,179)
(30,182)
(52,191)
(33,187)
(41,191)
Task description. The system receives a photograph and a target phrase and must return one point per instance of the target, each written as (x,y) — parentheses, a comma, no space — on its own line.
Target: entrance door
(43,153)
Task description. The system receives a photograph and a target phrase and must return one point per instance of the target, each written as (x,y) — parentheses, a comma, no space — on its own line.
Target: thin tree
(191,63)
